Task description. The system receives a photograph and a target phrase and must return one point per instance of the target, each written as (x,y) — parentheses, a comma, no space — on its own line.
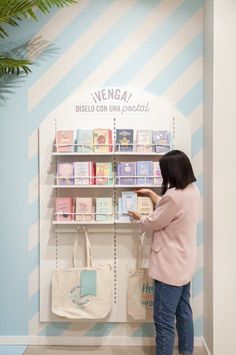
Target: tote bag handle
(88,249)
(140,251)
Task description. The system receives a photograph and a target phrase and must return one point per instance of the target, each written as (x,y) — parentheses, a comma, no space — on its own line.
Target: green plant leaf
(13,11)
(14,66)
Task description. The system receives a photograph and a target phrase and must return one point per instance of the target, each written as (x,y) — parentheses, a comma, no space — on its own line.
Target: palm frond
(12,11)
(14,66)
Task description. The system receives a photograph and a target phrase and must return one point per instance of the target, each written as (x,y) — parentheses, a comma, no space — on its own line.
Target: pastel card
(65,141)
(65,174)
(84,142)
(124,140)
(126,173)
(144,140)
(144,172)
(63,208)
(162,141)
(129,201)
(84,209)
(104,209)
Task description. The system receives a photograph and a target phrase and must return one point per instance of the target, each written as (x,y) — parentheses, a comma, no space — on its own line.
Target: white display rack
(113,242)
(116,149)
(113,216)
(146,182)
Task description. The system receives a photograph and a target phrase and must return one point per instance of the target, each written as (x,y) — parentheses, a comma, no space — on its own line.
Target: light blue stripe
(55,329)
(200,233)
(14,216)
(100,329)
(176,68)
(197,284)
(199,183)
(146,330)
(155,42)
(72,33)
(92,60)
(12,349)
(191,100)
(27,29)
(197,141)
(198,327)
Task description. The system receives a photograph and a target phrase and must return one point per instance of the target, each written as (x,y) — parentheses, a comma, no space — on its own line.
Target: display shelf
(92,222)
(82,186)
(113,149)
(105,186)
(108,154)
(81,223)
(137,186)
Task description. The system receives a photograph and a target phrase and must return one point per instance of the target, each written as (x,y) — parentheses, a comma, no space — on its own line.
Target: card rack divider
(114,219)
(56,194)
(173,132)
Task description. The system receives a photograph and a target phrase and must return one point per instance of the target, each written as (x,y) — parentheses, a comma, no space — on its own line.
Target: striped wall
(154,45)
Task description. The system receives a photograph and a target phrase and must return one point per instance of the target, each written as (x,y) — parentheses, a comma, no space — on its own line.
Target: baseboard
(84,341)
(205,346)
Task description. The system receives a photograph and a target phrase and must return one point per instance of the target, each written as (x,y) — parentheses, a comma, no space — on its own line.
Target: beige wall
(223,135)
(208,171)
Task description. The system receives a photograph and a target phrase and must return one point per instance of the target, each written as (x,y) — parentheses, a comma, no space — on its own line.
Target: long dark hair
(176,170)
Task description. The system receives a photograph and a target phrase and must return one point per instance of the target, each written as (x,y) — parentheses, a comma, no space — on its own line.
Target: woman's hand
(135,215)
(146,192)
(150,193)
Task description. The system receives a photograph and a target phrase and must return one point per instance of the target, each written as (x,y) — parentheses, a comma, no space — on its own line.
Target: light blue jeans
(173,303)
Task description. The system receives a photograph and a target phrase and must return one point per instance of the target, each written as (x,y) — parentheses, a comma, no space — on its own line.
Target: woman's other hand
(146,192)
(135,215)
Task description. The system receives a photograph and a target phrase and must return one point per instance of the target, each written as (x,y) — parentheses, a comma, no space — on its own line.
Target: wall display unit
(94,151)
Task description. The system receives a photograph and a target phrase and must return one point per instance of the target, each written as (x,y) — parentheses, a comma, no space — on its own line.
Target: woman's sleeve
(165,212)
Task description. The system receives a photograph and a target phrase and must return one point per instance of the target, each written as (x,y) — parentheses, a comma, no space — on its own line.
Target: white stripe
(33,236)
(206,347)
(130,44)
(197,163)
(33,144)
(56,25)
(33,190)
(77,51)
(34,325)
(165,56)
(185,82)
(197,305)
(33,282)
(196,118)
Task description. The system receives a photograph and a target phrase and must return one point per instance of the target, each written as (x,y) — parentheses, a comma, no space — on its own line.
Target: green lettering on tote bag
(88,283)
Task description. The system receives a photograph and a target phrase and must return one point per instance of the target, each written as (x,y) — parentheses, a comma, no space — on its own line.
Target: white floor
(98,350)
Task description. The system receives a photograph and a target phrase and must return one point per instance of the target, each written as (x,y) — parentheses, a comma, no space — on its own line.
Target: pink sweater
(173,223)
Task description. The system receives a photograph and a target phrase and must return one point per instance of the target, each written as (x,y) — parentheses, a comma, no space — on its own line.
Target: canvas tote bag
(140,289)
(82,293)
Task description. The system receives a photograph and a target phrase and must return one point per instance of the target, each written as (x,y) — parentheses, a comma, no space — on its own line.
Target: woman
(173,251)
